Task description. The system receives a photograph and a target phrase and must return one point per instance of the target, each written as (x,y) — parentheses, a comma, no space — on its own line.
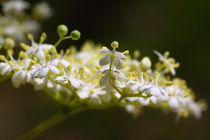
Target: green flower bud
(75,35)
(9,43)
(62,30)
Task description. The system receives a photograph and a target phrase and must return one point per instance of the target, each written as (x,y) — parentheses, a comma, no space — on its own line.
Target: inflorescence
(98,77)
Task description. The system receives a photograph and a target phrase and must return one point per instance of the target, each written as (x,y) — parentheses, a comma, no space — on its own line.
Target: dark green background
(180,26)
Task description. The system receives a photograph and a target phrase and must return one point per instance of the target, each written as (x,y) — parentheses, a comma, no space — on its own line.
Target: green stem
(58,42)
(5,77)
(42,127)
(110,80)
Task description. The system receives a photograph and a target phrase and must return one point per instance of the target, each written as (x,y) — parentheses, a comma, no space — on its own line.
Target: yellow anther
(126,52)
(157,75)
(35,59)
(16,69)
(98,67)
(62,52)
(46,52)
(134,74)
(144,75)
(30,37)
(81,70)
(176,65)
(92,70)
(169,94)
(114,44)
(68,51)
(11,63)
(91,91)
(53,50)
(23,55)
(102,75)
(24,46)
(56,55)
(48,57)
(136,54)
(60,66)
(32,62)
(167,83)
(69,67)
(75,71)
(104,47)
(166,54)
(186,94)
(81,61)
(85,76)
(96,82)
(129,75)
(2,57)
(73,49)
(43,37)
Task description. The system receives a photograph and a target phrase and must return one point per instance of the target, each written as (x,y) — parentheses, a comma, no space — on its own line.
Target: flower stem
(110,79)
(5,77)
(42,127)
(58,42)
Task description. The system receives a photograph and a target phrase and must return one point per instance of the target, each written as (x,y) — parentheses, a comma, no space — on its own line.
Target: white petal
(118,63)
(45,46)
(74,82)
(106,51)
(104,60)
(173,103)
(40,54)
(43,72)
(54,69)
(95,99)
(155,91)
(5,70)
(83,94)
(120,55)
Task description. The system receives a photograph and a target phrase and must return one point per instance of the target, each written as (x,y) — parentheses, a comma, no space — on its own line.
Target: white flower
(5,68)
(173,103)
(42,10)
(169,62)
(23,75)
(38,50)
(69,78)
(65,79)
(30,26)
(16,5)
(41,71)
(117,58)
(89,90)
(105,79)
(14,31)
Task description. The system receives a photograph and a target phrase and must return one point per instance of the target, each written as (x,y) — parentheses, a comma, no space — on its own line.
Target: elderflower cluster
(97,76)
(16,22)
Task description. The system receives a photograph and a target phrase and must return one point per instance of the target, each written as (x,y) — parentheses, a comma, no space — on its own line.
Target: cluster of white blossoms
(16,22)
(98,77)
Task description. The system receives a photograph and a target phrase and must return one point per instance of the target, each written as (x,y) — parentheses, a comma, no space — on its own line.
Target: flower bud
(62,30)
(75,35)
(9,43)
(145,63)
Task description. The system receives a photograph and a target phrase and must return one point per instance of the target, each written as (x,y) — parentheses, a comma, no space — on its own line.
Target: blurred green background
(180,26)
